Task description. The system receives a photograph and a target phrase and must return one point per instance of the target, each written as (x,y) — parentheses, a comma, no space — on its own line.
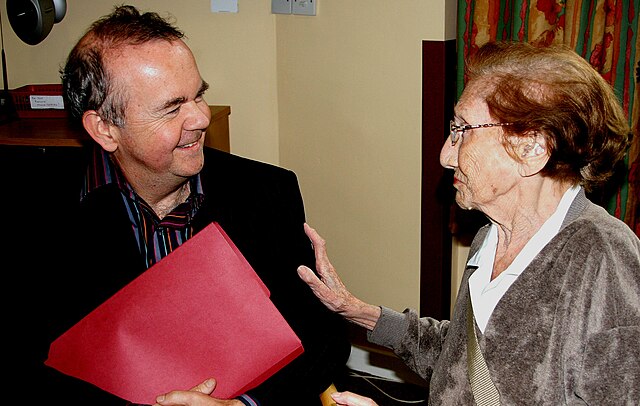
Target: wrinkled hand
(197,396)
(351,399)
(330,289)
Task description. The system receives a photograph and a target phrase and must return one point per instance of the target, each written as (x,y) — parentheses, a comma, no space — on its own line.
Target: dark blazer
(260,206)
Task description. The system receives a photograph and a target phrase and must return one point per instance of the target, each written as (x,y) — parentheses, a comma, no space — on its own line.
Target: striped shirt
(156,237)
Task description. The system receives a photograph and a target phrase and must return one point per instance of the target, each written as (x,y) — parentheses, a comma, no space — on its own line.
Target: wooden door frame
(438,98)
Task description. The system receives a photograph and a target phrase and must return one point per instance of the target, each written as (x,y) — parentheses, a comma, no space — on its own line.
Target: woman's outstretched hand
(328,287)
(351,399)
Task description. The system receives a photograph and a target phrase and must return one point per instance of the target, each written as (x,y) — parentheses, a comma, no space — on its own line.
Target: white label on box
(46,102)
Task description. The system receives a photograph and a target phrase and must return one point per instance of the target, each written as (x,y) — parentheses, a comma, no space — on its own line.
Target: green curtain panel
(604,32)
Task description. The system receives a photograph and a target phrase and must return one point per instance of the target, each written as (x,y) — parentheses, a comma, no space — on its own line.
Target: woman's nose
(449,154)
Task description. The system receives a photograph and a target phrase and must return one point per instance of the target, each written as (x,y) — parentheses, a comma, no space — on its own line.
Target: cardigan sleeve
(417,341)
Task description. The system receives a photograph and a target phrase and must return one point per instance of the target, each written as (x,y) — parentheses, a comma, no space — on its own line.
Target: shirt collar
(102,171)
(549,229)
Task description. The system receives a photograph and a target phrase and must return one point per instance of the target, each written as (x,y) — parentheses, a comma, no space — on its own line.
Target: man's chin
(191,165)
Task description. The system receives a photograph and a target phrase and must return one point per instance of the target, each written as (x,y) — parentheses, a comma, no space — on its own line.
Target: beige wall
(349,86)
(335,97)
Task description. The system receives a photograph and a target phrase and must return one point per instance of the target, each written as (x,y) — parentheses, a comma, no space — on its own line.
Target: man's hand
(197,396)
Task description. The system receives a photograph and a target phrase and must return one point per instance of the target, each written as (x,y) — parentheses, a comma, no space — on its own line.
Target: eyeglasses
(456,131)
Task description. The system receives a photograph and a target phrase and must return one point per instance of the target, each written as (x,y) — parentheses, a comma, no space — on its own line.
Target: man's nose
(199,115)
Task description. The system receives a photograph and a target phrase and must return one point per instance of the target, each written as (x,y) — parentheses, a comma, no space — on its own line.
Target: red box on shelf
(39,101)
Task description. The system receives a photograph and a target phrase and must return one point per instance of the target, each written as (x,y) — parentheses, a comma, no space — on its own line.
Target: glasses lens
(453,132)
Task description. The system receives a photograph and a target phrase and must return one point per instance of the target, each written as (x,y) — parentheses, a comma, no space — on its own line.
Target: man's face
(166,115)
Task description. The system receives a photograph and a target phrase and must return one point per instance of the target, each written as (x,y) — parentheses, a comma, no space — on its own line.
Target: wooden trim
(438,97)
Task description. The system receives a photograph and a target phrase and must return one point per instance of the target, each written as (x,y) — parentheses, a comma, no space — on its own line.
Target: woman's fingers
(324,268)
(351,399)
(328,287)
(320,249)
(319,288)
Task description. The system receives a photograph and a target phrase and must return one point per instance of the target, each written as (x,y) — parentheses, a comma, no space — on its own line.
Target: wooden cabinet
(59,132)
(218,132)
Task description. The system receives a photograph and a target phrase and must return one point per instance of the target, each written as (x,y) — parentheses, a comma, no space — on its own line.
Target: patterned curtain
(604,32)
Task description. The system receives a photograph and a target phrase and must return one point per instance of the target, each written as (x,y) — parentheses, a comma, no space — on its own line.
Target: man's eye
(174,111)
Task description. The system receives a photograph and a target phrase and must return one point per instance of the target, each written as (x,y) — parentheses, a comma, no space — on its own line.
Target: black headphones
(32,20)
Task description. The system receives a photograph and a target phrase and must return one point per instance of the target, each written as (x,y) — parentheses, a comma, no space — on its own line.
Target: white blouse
(486,293)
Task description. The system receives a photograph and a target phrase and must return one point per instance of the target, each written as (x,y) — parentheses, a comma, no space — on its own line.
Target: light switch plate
(224,6)
(281,6)
(304,7)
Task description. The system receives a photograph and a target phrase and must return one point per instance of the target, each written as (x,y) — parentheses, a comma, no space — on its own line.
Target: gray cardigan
(566,332)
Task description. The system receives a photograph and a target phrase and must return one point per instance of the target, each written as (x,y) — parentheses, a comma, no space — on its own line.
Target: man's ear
(533,154)
(100,130)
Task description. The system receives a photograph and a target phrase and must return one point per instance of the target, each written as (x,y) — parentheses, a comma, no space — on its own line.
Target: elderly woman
(552,281)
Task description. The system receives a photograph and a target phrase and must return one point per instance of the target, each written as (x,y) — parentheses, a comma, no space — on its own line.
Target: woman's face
(485,175)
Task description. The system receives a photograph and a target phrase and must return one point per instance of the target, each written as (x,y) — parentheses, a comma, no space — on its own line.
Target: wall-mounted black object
(32,20)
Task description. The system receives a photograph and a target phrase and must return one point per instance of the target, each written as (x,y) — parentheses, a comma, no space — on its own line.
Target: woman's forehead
(472,103)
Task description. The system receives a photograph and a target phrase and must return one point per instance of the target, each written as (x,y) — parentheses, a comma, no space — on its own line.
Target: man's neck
(165,204)
(163,195)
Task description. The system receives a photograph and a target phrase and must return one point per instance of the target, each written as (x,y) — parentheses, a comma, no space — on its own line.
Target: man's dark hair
(85,79)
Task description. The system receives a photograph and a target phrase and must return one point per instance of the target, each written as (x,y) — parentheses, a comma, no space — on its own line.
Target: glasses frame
(457,131)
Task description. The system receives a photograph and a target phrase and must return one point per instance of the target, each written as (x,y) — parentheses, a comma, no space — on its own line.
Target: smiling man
(151,184)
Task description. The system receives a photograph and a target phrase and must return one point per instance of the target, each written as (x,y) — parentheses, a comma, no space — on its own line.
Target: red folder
(199,312)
